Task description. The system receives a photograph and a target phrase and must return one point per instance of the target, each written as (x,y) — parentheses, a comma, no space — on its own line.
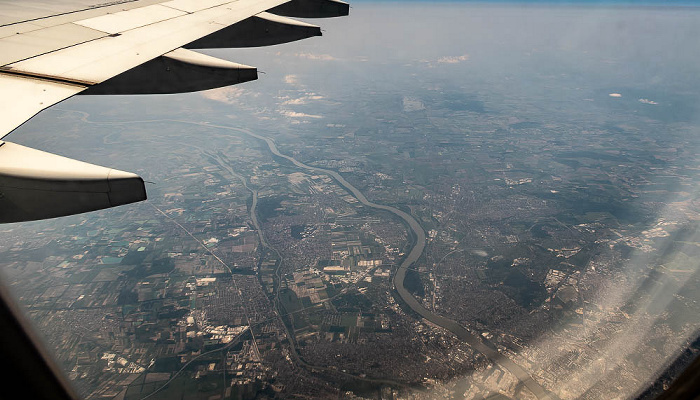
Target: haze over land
(550,156)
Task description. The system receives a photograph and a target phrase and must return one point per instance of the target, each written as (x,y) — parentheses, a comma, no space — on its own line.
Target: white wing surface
(50,51)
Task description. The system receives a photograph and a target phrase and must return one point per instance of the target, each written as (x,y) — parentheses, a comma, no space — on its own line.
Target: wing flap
(104,58)
(191,6)
(23,97)
(44,40)
(18,29)
(56,12)
(131,19)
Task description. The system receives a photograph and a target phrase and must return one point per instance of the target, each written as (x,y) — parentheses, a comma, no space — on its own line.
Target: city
(557,238)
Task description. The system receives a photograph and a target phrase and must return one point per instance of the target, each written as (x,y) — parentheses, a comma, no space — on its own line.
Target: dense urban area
(554,226)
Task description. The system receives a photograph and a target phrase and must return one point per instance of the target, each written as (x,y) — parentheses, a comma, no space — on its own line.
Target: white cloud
(480,253)
(294,114)
(228,94)
(412,104)
(295,102)
(291,79)
(453,59)
(647,101)
(617,95)
(310,56)
(303,100)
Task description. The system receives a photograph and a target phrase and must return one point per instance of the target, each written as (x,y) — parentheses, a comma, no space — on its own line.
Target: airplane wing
(50,51)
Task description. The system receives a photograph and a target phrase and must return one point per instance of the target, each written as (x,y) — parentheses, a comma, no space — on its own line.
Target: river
(479,345)
(458,330)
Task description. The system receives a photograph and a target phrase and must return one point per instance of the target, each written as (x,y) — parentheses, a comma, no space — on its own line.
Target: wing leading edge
(136,47)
